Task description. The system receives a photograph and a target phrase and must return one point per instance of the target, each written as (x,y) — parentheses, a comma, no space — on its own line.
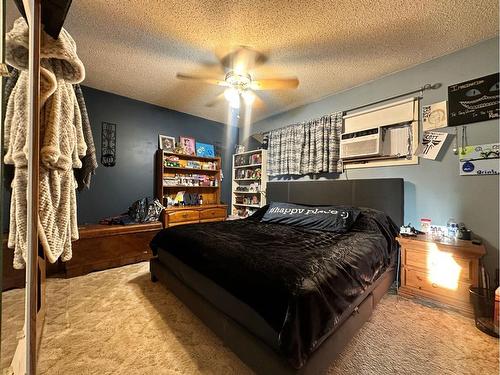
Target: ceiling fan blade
(204,79)
(275,84)
(243,59)
(215,100)
(258,102)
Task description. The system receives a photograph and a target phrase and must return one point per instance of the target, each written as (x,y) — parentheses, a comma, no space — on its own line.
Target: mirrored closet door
(23,266)
(12,280)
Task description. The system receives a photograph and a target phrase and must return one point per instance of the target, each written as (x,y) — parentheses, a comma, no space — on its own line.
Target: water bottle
(452,228)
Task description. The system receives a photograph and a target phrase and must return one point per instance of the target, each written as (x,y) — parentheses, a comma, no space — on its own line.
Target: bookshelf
(249,182)
(199,177)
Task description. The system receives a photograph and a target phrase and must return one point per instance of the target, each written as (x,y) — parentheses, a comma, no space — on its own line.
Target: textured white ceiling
(134,48)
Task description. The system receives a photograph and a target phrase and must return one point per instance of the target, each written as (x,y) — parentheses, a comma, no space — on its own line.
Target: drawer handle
(185,215)
(434,285)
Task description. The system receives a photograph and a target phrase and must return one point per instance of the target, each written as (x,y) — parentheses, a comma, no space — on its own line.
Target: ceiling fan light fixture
(240,81)
(233,97)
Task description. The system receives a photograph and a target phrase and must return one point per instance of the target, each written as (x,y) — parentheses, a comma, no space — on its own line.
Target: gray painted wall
(433,189)
(138,125)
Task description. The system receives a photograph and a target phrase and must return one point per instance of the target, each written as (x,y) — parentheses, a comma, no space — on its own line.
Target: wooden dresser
(194,214)
(441,271)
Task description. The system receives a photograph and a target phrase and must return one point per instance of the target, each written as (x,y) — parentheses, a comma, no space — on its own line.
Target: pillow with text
(327,218)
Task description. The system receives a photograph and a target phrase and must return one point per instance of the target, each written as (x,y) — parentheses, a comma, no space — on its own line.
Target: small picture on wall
(204,149)
(435,116)
(166,143)
(188,145)
(432,142)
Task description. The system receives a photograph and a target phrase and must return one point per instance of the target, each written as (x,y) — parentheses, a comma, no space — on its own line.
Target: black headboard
(385,194)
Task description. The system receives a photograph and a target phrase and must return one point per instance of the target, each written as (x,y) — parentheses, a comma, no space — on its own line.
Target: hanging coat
(62,143)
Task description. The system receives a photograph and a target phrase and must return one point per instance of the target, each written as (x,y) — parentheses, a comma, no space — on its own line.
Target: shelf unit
(246,166)
(211,209)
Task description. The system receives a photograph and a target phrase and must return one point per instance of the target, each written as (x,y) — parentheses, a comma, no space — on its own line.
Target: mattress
(288,286)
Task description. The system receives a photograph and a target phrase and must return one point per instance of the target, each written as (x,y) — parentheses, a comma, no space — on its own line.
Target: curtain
(285,150)
(308,147)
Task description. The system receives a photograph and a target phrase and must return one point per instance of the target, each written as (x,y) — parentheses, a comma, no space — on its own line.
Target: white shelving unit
(249,182)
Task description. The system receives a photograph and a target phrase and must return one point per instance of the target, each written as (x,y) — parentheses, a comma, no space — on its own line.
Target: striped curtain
(308,147)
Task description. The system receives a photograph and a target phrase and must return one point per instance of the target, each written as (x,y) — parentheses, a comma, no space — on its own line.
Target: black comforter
(300,281)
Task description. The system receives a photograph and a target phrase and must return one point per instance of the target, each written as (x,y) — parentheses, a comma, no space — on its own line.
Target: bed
(286,299)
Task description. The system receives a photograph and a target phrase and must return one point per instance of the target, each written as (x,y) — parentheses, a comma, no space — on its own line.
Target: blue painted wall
(138,125)
(433,189)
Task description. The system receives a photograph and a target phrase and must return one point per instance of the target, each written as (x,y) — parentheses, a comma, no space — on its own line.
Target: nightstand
(441,271)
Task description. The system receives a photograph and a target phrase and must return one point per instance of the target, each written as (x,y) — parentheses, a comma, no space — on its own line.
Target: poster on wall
(435,116)
(474,101)
(432,143)
(479,160)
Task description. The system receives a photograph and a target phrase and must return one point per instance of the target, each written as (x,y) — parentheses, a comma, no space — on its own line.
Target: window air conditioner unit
(361,144)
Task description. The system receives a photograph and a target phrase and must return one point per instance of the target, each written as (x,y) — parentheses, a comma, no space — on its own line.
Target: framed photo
(166,143)
(188,145)
(204,149)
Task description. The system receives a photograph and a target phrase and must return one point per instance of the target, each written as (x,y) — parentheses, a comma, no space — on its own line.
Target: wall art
(474,101)
(205,150)
(431,144)
(435,116)
(188,145)
(166,143)
(108,144)
(479,160)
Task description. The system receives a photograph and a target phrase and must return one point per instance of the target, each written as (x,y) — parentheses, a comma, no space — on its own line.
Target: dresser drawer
(182,215)
(212,213)
(438,260)
(423,281)
(415,259)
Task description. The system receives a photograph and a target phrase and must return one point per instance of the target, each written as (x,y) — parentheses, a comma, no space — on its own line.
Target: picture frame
(188,145)
(166,143)
(205,150)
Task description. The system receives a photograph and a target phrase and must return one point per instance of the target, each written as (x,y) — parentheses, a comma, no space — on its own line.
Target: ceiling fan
(239,82)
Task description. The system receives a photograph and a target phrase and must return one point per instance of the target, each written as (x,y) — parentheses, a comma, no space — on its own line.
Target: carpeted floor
(118,322)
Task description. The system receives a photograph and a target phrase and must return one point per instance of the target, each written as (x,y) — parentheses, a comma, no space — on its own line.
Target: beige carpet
(12,324)
(118,322)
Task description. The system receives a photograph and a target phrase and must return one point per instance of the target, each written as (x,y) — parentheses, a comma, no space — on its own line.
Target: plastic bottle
(452,227)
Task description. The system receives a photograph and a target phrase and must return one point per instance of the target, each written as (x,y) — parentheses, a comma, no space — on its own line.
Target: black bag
(145,210)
